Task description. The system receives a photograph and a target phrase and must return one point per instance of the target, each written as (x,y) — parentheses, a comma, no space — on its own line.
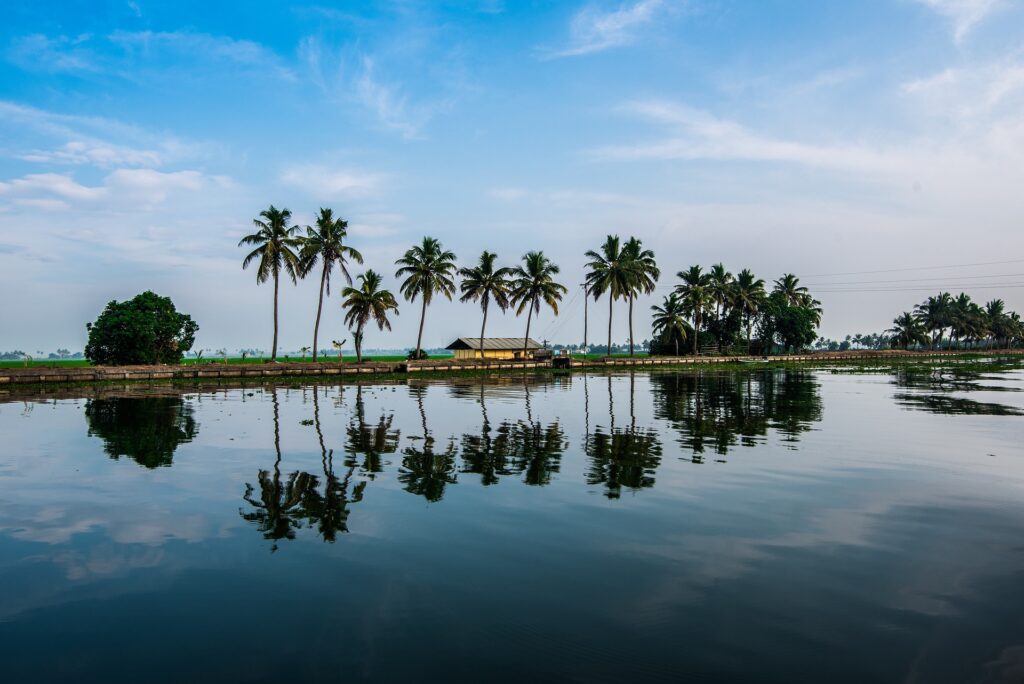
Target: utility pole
(585,302)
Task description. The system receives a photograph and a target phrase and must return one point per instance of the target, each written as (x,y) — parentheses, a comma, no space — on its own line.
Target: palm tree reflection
(424,471)
(717,411)
(622,457)
(370,442)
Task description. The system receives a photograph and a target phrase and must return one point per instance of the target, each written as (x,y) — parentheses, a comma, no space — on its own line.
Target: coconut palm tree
(721,287)
(483,283)
(608,272)
(668,320)
(643,276)
(428,269)
(793,293)
(325,244)
(995,319)
(695,294)
(365,303)
(934,314)
(533,283)
(748,295)
(276,248)
(907,330)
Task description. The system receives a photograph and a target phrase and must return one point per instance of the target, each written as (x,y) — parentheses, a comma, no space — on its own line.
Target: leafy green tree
(608,271)
(669,321)
(428,269)
(365,303)
(146,329)
(483,283)
(720,286)
(792,325)
(533,283)
(326,244)
(935,314)
(275,247)
(643,276)
(695,294)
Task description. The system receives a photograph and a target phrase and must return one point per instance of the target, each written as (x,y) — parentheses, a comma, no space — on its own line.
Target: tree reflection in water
(621,457)
(284,507)
(425,472)
(370,442)
(528,448)
(147,430)
(717,411)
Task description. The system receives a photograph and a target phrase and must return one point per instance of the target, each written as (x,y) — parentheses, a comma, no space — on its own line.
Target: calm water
(765,526)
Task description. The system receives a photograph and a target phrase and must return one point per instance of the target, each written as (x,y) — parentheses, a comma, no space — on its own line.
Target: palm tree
(608,271)
(367,302)
(748,295)
(668,320)
(532,284)
(995,318)
(428,270)
(695,293)
(644,276)
(793,293)
(720,287)
(275,247)
(326,243)
(907,330)
(483,283)
(934,314)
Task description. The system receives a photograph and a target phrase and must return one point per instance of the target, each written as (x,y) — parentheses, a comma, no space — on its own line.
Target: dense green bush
(144,330)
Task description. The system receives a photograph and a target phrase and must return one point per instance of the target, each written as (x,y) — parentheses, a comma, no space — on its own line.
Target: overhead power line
(914,268)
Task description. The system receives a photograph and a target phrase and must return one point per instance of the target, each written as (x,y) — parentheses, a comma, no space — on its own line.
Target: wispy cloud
(592,30)
(327,183)
(61,54)
(58,191)
(964,15)
(975,92)
(388,103)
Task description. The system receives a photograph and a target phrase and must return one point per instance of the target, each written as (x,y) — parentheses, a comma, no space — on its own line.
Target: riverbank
(258,371)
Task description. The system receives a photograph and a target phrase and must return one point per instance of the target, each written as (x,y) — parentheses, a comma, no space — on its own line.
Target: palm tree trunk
(359,343)
(677,345)
(631,324)
(319,309)
(529,316)
(610,298)
(482,326)
(696,329)
(419,337)
(273,350)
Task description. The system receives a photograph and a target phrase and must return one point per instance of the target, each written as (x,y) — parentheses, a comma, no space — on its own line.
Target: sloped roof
(494,343)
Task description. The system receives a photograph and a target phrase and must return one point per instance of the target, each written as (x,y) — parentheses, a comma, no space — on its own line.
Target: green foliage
(144,330)
(787,321)
(148,431)
(365,303)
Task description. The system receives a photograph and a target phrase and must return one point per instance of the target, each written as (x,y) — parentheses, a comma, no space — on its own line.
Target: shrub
(413,356)
(144,330)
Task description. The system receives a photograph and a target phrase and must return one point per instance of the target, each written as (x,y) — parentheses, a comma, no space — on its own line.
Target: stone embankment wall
(256,371)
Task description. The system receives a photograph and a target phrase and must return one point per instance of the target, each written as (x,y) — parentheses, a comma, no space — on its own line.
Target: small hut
(468,348)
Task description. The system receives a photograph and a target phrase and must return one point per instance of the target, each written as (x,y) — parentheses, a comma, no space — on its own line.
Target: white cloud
(964,15)
(97,153)
(973,92)
(328,183)
(388,103)
(63,54)
(592,30)
(212,49)
(508,194)
(56,191)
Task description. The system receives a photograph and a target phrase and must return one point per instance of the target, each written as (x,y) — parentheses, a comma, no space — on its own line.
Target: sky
(875,149)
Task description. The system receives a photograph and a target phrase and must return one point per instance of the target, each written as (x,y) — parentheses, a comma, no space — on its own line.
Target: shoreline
(213,375)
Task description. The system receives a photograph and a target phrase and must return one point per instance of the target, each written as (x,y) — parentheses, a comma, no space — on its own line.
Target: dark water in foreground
(766,526)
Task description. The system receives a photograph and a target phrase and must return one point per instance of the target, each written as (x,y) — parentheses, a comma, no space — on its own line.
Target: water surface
(771,526)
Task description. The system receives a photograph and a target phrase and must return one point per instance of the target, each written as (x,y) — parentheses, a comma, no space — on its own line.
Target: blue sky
(138,140)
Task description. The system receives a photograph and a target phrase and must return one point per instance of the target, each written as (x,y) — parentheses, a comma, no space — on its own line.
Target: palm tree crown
(484,283)
(367,302)
(325,243)
(275,246)
(608,272)
(533,283)
(428,269)
(668,321)
(695,294)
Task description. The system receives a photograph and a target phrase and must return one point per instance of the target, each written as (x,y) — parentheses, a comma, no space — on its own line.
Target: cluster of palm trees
(717,302)
(966,322)
(426,270)
(712,301)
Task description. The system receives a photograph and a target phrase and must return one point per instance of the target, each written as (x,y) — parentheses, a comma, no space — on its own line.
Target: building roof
(494,343)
